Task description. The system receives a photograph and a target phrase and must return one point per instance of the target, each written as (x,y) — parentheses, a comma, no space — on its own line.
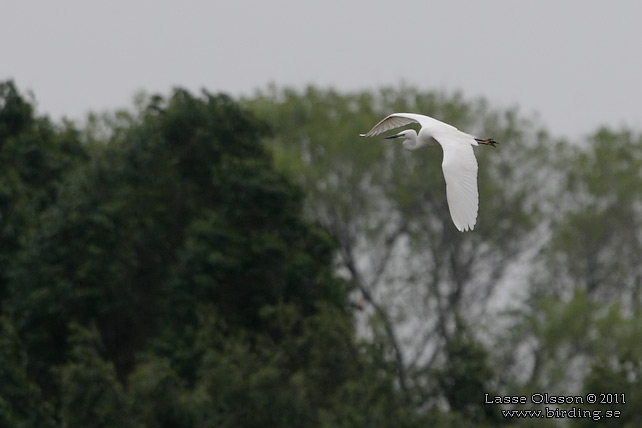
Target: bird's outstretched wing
(395,120)
(460,172)
(459,164)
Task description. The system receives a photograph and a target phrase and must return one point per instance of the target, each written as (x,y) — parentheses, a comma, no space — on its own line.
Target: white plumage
(459,163)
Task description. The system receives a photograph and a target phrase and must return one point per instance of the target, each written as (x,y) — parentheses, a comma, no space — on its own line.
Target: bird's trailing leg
(487,142)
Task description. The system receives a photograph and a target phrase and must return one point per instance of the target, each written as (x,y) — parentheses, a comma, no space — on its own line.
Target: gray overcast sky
(578,64)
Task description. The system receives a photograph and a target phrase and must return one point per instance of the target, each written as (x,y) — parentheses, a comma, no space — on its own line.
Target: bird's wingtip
(362,135)
(465,227)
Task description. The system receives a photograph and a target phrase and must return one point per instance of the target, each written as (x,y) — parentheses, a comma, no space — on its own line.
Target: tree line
(197,260)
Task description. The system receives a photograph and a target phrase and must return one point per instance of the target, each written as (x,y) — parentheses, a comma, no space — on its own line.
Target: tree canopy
(201,261)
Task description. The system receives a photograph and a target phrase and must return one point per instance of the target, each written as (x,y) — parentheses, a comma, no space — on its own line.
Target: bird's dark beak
(390,137)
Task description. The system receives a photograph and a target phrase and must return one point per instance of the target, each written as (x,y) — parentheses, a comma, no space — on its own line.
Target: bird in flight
(459,163)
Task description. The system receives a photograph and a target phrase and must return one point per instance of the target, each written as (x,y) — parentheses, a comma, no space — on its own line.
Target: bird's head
(409,138)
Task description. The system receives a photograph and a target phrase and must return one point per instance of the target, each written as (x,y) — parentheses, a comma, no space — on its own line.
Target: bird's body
(459,163)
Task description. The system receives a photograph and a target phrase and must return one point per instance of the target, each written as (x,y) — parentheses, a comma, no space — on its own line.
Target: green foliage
(34,157)
(426,282)
(170,280)
(582,320)
(158,398)
(21,401)
(155,216)
(91,394)
(465,378)
(595,244)
(160,267)
(16,113)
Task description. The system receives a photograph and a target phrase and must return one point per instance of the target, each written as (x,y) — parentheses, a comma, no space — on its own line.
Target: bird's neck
(410,145)
(413,143)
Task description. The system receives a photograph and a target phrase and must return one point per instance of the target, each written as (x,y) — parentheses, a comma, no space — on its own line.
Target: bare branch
(382,314)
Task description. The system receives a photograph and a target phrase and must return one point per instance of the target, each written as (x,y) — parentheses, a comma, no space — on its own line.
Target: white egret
(459,163)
